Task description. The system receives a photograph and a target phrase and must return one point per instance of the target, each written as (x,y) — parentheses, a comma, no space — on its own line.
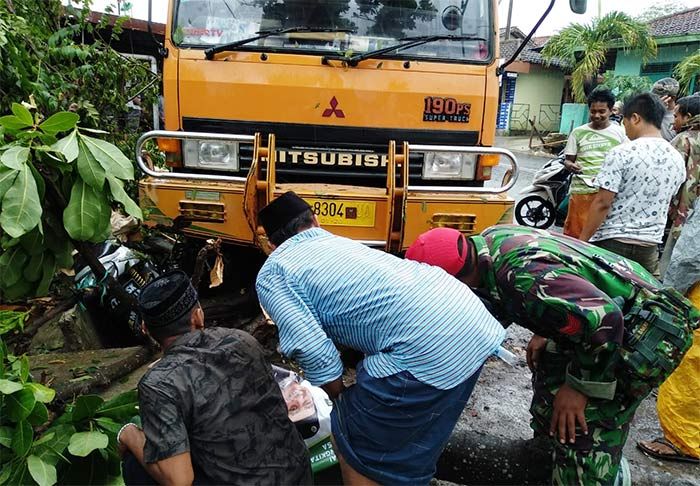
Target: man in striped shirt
(425,337)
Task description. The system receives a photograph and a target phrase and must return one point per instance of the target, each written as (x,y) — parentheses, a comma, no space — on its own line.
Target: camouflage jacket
(559,288)
(688,144)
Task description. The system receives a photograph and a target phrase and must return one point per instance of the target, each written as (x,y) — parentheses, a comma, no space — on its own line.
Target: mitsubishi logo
(333,110)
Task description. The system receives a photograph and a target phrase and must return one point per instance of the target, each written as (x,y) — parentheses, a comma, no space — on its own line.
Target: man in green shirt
(585,152)
(571,295)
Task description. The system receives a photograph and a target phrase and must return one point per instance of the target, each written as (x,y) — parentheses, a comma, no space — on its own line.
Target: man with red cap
(425,336)
(576,298)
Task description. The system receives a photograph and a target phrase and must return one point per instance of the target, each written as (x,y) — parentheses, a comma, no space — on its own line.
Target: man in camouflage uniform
(687,142)
(211,410)
(557,287)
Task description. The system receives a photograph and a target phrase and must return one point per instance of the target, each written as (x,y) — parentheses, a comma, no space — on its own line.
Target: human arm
(684,199)
(609,181)
(334,388)
(571,153)
(558,303)
(600,207)
(162,447)
(174,471)
(301,336)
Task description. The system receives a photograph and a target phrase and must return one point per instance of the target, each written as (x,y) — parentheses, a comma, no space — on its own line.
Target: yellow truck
(380,113)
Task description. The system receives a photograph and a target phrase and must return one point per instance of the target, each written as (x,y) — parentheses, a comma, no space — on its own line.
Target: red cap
(439,247)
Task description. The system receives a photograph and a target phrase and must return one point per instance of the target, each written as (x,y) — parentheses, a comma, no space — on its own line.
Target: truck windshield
(349,27)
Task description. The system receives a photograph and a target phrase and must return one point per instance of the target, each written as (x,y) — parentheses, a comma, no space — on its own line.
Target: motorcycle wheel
(535,212)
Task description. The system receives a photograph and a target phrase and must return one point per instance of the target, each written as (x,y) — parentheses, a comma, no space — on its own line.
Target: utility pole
(600,8)
(510,16)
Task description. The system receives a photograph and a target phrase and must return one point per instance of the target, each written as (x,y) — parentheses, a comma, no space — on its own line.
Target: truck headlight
(449,165)
(211,154)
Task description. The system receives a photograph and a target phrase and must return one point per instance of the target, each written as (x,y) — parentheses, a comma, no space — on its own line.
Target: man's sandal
(677,456)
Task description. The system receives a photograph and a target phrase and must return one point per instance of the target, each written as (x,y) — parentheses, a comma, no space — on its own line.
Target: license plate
(343,212)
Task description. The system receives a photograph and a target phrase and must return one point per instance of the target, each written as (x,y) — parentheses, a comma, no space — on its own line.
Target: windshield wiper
(209,53)
(406,43)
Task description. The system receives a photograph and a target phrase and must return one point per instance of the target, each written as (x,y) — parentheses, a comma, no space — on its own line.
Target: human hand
(668,102)
(534,349)
(569,406)
(572,166)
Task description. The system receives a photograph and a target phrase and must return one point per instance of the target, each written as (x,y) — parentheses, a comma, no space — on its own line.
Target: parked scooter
(541,200)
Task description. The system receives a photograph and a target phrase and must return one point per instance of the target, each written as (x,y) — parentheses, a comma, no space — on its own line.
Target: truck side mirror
(578,6)
(451,17)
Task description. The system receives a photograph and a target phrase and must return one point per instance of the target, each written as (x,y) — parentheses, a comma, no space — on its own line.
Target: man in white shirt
(636,184)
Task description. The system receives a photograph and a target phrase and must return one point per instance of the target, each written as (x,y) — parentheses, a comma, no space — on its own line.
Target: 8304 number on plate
(342,212)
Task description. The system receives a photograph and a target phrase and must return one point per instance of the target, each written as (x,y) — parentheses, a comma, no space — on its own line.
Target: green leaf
(7,387)
(18,474)
(120,195)
(15,157)
(39,416)
(108,425)
(9,321)
(52,450)
(39,180)
(19,405)
(42,393)
(47,140)
(12,264)
(7,178)
(21,208)
(83,443)
(68,146)
(11,122)
(20,290)
(22,438)
(121,407)
(6,434)
(44,474)
(33,242)
(48,272)
(34,270)
(21,368)
(44,439)
(86,406)
(93,130)
(110,157)
(22,113)
(86,212)
(90,169)
(5,474)
(60,122)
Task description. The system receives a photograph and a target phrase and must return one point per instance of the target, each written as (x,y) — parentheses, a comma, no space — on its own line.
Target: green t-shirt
(590,148)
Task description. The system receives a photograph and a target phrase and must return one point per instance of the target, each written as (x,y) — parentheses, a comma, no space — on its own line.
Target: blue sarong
(392,430)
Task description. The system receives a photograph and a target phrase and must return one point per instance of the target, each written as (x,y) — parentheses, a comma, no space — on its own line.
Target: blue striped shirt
(322,289)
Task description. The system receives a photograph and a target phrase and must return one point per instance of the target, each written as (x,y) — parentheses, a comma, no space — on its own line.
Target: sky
(525,12)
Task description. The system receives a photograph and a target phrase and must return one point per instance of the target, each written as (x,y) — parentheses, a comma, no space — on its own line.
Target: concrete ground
(500,403)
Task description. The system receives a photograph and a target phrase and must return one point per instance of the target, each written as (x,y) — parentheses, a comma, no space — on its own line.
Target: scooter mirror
(578,6)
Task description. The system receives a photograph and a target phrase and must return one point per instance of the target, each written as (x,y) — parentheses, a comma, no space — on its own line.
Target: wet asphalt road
(528,165)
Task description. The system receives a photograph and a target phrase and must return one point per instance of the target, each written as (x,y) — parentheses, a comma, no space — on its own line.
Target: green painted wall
(539,89)
(630,63)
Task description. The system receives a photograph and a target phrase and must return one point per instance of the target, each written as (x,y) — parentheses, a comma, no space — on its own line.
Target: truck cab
(381,114)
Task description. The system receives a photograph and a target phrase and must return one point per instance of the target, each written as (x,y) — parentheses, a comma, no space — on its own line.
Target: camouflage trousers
(594,459)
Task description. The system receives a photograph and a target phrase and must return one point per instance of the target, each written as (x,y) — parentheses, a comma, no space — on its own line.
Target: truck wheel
(535,212)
